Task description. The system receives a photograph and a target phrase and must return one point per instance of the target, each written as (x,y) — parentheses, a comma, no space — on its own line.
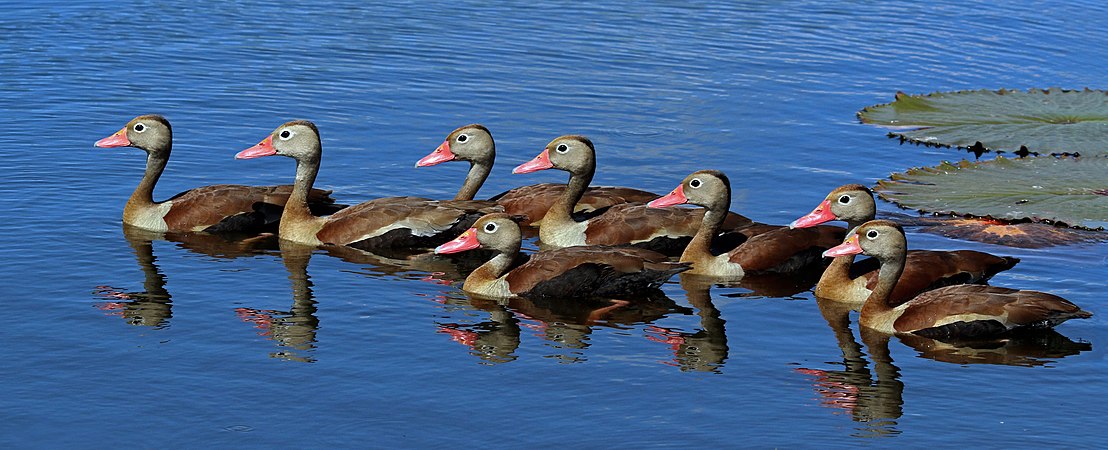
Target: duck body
(384,223)
(221,208)
(851,282)
(950,312)
(760,249)
(474,143)
(663,230)
(584,272)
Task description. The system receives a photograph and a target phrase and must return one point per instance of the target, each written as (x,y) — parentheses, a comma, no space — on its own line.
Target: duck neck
(296,209)
(700,246)
(887,276)
(836,273)
(562,210)
(143,197)
(478,172)
(491,270)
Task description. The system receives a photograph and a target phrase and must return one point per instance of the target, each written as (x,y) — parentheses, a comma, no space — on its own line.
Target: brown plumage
(474,143)
(960,311)
(216,208)
(766,248)
(384,223)
(593,271)
(663,230)
(848,281)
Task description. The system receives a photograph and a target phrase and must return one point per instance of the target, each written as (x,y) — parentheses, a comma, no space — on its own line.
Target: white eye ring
(286,135)
(695,183)
(139,127)
(845,199)
(491,227)
(872,234)
(561,148)
(462,138)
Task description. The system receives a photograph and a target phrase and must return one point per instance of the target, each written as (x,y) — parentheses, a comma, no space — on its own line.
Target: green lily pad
(1063,191)
(1054,121)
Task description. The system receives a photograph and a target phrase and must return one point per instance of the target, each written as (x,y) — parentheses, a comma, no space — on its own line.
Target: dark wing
(591,271)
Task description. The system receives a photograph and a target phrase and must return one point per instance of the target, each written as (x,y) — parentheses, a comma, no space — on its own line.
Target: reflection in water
(1036,347)
(564,324)
(150,307)
(705,350)
(877,403)
(295,329)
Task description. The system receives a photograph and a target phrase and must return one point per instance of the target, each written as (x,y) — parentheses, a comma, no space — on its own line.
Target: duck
(474,143)
(379,224)
(772,249)
(571,272)
(850,282)
(220,208)
(663,230)
(963,311)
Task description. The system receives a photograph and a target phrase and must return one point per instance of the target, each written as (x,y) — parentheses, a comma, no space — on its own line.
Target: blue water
(115,340)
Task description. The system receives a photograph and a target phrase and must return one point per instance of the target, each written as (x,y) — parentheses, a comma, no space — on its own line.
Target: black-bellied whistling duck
(959,311)
(663,230)
(474,143)
(384,223)
(587,271)
(216,208)
(772,249)
(845,281)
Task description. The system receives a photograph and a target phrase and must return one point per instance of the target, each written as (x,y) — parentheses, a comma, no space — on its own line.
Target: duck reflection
(293,330)
(1028,348)
(705,349)
(564,324)
(153,305)
(874,397)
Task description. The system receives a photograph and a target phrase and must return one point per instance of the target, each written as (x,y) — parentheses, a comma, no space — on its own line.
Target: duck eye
(286,135)
(844,199)
(561,148)
(872,234)
(140,127)
(695,183)
(462,138)
(490,227)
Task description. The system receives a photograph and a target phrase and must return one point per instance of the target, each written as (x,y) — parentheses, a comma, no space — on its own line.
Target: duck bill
(467,241)
(821,214)
(441,154)
(119,139)
(264,148)
(848,247)
(675,197)
(541,162)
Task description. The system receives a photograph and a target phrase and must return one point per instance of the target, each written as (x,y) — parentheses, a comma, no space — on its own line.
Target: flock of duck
(602,242)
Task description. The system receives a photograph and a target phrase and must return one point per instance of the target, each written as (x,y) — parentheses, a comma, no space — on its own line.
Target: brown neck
(562,210)
(714,215)
(478,172)
(493,268)
(143,197)
(837,273)
(887,276)
(296,209)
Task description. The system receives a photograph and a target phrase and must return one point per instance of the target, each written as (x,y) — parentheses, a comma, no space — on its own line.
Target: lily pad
(996,232)
(1054,121)
(1062,191)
